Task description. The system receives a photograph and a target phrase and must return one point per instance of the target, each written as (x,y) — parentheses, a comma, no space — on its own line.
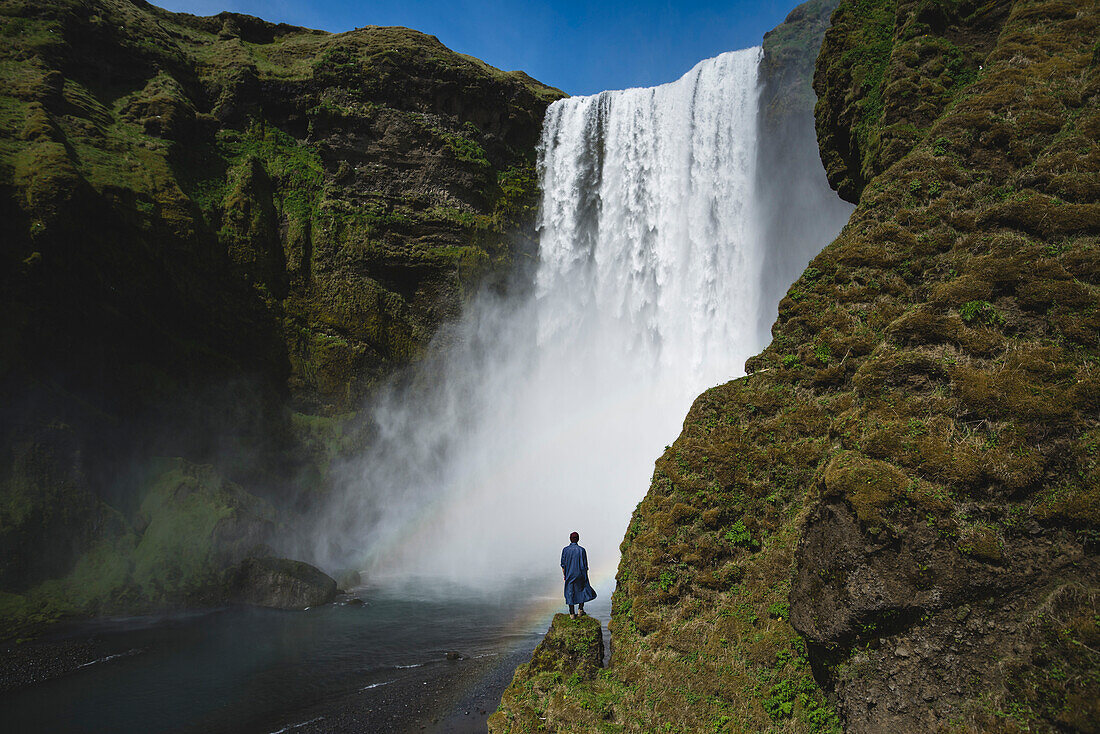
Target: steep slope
(218,234)
(948,569)
(897,508)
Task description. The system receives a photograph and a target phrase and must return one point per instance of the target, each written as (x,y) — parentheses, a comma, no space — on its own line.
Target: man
(574,571)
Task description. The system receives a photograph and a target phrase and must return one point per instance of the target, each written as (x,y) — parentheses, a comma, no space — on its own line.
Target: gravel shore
(452,697)
(35,661)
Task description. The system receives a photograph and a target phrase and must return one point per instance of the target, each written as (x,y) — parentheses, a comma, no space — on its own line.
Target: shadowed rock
(281,583)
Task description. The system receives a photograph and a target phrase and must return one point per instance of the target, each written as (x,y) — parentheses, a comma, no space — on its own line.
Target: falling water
(544,416)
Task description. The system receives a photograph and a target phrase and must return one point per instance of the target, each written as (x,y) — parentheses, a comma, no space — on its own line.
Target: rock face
(886,71)
(949,538)
(280,583)
(891,523)
(571,653)
(218,235)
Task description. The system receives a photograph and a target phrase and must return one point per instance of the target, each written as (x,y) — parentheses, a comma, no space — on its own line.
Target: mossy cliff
(891,524)
(218,235)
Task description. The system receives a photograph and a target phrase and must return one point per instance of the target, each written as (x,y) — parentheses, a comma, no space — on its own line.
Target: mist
(541,412)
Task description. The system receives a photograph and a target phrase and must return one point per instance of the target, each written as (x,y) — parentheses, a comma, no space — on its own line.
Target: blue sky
(580,47)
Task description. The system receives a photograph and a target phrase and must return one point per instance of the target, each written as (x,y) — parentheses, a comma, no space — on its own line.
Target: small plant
(739,535)
(982,312)
(790,361)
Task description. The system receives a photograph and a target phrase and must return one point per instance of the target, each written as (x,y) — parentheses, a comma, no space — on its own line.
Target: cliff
(218,235)
(891,523)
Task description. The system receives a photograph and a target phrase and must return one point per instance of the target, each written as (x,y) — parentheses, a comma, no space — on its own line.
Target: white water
(545,416)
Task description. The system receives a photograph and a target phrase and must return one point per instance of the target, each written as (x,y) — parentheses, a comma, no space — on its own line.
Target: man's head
(574,536)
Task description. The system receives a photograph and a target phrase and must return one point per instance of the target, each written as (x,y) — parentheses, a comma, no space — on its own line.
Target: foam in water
(545,416)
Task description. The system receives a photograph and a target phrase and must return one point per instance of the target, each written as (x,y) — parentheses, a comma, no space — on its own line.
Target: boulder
(280,583)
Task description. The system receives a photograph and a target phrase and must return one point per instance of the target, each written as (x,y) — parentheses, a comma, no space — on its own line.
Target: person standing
(574,571)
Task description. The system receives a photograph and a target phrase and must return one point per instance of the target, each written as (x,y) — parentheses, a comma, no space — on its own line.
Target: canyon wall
(219,235)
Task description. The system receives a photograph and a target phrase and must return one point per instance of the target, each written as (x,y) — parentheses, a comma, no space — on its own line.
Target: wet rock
(281,583)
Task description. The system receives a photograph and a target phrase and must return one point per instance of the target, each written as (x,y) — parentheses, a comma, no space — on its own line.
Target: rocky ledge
(571,652)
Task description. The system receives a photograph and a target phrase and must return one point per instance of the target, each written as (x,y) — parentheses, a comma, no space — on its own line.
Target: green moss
(866,484)
(519,191)
(101,582)
(869,55)
(182,510)
(462,217)
(464,149)
(339,64)
(191,527)
(295,166)
(802,693)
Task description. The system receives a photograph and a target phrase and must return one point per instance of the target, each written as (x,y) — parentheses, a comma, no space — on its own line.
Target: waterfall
(648,266)
(544,415)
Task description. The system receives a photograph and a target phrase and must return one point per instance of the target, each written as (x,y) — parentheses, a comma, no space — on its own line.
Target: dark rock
(280,583)
(868,117)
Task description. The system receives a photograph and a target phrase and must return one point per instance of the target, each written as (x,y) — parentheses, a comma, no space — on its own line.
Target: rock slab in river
(281,583)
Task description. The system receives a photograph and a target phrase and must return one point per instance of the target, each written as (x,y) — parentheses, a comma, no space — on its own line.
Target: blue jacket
(574,566)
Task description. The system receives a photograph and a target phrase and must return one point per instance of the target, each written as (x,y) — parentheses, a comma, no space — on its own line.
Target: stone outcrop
(570,654)
(280,583)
